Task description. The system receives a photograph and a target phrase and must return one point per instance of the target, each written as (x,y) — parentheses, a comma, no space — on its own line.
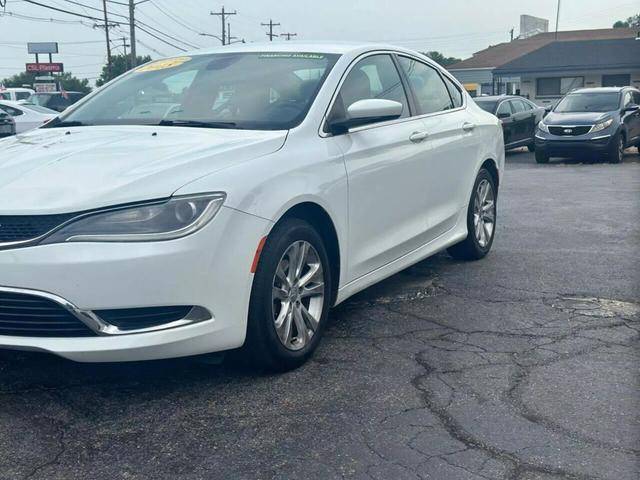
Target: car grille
(570,131)
(139,318)
(21,228)
(23,315)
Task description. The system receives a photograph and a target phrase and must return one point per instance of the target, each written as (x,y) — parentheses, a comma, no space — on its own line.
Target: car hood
(61,170)
(575,118)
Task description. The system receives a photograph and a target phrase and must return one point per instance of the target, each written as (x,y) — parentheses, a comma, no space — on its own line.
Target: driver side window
(376,77)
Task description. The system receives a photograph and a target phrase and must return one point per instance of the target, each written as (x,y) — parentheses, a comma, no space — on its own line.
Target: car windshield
(263,91)
(589,102)
(39,109)
(488,105)
(40,99)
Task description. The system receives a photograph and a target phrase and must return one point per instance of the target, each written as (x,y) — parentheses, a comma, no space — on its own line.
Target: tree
(119,65)
(441,59)
(67,80)
(631,22)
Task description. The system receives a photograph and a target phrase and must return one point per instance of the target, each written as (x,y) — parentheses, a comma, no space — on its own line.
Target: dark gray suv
(591,121)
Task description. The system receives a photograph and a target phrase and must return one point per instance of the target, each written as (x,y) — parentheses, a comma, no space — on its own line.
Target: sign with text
(45,87)
(45,68)
(39,48)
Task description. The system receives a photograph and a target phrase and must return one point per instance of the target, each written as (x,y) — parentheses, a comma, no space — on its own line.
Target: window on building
(616,80)
(557,86)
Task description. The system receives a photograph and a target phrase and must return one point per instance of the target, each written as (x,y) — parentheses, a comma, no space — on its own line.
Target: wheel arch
(492,167)
(320,219)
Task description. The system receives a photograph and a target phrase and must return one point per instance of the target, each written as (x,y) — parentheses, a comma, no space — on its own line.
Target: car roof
(498,98)
(54,93)
(341,48)
(600,90)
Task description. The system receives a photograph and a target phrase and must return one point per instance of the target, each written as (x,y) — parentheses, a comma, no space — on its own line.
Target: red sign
(45,68)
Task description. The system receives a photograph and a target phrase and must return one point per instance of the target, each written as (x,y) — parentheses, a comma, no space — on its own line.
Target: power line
(288,35)
(271,25)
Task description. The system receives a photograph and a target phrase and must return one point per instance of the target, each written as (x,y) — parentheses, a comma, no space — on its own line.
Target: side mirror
(504,115)
(632,108)
(548,108)
(366,112)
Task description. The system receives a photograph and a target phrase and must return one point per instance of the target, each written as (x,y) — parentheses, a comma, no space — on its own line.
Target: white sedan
(27,116)
(228,198)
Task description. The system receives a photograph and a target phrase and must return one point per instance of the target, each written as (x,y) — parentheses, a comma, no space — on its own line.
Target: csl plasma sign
(45,68)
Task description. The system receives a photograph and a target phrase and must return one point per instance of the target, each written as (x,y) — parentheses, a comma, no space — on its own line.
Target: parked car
(57,101)
(234,210)
(7,125)
(15,94)
(599,122)
(27,117)
(519,118)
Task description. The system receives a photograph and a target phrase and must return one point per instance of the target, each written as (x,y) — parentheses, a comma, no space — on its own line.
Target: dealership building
(546,66)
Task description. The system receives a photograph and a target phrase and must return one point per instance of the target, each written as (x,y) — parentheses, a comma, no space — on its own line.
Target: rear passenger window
(454,91)
(430,91)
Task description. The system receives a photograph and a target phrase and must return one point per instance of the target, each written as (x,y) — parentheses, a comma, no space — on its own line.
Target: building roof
(578,55)
(498,55)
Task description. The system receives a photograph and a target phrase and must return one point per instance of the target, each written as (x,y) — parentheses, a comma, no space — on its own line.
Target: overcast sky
(454,27)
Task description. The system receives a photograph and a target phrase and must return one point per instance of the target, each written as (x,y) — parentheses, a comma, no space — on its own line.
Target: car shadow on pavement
(523,156)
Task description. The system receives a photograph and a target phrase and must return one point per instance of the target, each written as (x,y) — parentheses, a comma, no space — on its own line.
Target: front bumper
(210,269)
(590,144)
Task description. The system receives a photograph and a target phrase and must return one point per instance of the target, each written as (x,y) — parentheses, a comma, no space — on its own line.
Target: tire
(531,147)
(474,247)
(264,348)
(541,157)
(616,151)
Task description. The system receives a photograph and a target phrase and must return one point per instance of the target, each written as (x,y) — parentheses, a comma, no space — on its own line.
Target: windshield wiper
(196,124)
(55,123)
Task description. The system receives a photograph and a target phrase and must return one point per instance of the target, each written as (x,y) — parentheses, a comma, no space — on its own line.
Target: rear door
(523,120)
(386,165)
(452,145)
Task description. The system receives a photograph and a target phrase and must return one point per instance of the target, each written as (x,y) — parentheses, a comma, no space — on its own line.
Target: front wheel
(531,147)
(481,220)
(541,157)
(290,298)
(617,149)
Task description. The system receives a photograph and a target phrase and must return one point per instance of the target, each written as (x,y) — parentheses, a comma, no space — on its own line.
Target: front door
(386,171)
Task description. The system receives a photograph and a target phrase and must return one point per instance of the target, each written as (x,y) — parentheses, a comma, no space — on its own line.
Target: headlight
(598,127)
(543,127)
(178,217)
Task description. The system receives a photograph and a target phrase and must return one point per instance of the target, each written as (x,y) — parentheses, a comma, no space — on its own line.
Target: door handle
(417,137)
(468,127)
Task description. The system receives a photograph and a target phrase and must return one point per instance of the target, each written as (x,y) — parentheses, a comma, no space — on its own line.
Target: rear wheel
(290,299)
(616,153)
(481,220)
(541,157)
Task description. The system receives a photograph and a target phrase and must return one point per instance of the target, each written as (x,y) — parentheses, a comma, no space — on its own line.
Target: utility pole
(106,31)
(124,47)
(557,19)
(223,16)
(132,32)
(271,25)
(288,35)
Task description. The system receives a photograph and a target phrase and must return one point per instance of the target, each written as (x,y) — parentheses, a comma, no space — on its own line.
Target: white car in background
(15,94)
(228,198)
(27,116)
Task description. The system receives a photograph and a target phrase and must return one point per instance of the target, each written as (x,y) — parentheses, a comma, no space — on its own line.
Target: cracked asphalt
(523,366)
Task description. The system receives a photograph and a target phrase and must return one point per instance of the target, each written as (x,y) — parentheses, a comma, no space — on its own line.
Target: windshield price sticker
(163,64)
(309,56)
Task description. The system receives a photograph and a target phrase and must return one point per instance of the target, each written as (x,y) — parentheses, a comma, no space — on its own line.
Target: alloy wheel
(298,295)
(484,213)
(621,148)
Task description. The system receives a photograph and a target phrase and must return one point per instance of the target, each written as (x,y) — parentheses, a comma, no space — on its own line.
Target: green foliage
(631,22)
(441,59)
(68,81)
(119,65)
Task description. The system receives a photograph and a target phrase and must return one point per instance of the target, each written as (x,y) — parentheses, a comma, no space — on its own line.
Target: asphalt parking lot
(523,366)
